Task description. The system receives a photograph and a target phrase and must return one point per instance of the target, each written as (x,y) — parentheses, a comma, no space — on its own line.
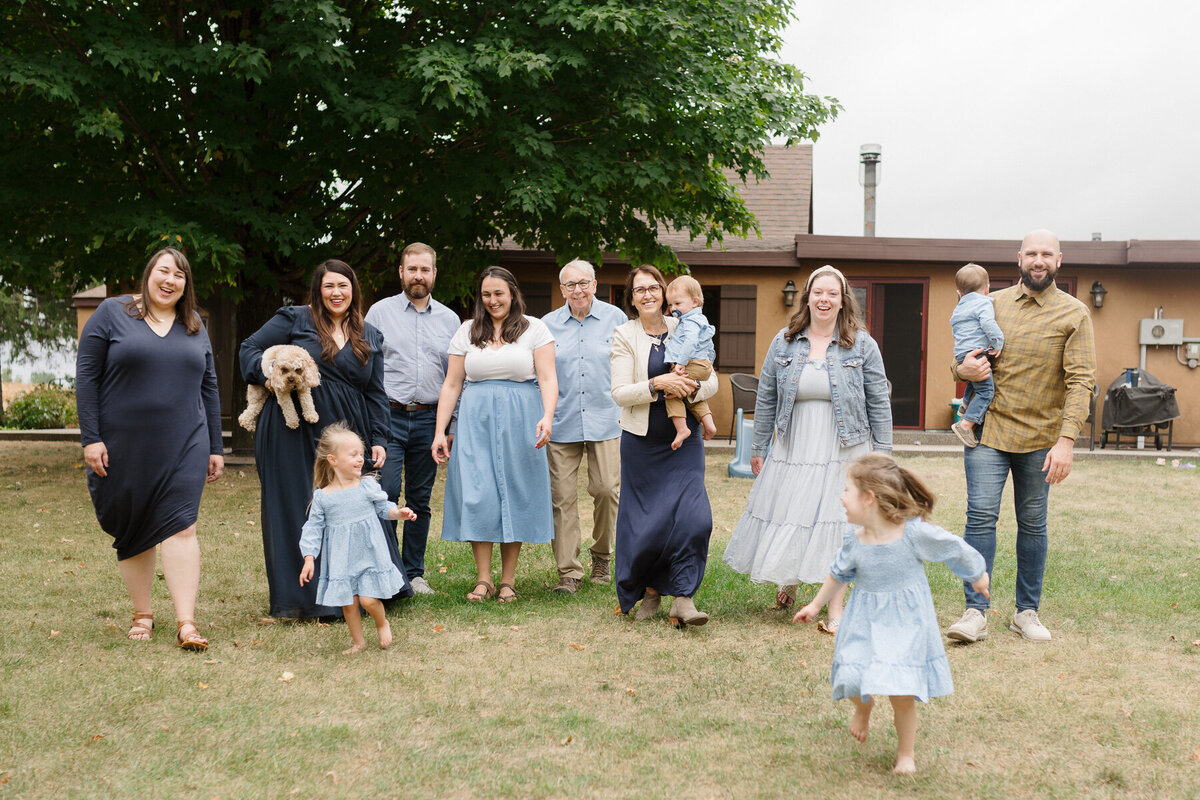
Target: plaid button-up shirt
(1046,372)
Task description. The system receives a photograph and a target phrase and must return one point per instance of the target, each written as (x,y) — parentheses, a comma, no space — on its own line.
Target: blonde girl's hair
(899,494)
(326,446)
(849,318)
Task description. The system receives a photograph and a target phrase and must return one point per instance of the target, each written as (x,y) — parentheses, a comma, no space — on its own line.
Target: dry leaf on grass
(332,776)
(212,661)
(286,677)
(54,633)
(567,740)
(1195,756)
(1196,643)
(514,627)
(439,628)
(5,779)
(202,685)
(577,646)
(266,621)
(95,738)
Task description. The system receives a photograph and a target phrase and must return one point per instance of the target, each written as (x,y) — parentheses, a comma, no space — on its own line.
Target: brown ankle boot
(684,613)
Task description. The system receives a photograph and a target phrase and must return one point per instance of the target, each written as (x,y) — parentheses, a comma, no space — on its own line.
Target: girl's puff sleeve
(378,497)
(932,543)
(314,527)
(845,567)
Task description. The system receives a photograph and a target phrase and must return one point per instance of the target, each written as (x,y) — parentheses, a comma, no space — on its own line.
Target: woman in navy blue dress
(349,355)
(150,418)
(663,519)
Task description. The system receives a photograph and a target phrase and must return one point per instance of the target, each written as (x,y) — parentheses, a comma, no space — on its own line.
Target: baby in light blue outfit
(973,323)
(691,350)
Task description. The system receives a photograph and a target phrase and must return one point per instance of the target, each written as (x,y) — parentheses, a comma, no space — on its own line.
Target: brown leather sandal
(476,596)
(512,598)
(193,641)
(137,628)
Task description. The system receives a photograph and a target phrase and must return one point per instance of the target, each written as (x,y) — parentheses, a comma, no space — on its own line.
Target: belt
(411,406)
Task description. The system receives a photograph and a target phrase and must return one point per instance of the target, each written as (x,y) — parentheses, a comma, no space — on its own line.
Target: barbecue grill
(1138,404)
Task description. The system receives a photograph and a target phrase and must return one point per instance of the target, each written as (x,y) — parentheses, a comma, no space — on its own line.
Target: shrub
(44,406)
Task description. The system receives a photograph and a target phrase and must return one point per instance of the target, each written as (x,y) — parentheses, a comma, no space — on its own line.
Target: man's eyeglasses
(642,291)
(573,285)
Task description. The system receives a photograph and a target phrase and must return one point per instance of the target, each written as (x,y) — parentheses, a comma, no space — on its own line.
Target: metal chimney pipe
(868,156)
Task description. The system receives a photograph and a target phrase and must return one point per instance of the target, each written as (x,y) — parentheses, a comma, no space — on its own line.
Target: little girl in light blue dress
(889,642)
(343,528)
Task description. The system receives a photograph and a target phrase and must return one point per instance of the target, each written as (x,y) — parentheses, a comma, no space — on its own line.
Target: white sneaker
(1029,626)
(421,586)
(971,627)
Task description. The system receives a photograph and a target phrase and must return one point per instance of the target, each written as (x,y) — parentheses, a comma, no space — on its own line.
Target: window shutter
(735,328)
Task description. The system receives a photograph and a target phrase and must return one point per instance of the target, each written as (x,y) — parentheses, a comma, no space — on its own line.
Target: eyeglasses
(642,291)
(573,285)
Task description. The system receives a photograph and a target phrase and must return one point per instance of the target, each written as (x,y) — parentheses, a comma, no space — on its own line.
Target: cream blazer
(630,382)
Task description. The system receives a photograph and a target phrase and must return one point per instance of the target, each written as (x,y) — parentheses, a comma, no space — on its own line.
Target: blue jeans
(409,449)
(976,399)
(987,470)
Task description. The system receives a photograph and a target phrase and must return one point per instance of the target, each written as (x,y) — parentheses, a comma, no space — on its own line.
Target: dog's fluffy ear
(309,374)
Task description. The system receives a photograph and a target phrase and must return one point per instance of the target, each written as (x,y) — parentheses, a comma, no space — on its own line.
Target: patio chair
(745,392)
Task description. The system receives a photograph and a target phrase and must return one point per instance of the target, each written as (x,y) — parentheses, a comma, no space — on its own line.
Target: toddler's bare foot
(905,765)
(860,721)
(680,438)
(710,429)
(385,635)
(358,646)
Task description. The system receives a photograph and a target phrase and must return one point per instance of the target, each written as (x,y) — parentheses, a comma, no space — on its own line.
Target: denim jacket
(856,381)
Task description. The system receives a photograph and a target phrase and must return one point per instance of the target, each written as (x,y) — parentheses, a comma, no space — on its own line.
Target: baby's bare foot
(385,636)
(356,648)
(860,721)
(680,438)
(905,765)
(710,429)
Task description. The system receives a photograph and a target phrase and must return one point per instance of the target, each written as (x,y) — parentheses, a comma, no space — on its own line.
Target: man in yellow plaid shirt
(1044,380)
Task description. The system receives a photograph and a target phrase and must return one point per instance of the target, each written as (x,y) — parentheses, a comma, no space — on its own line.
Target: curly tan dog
(288,368)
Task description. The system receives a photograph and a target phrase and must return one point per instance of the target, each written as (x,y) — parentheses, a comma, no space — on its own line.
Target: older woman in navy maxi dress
(351,391)
(664,519)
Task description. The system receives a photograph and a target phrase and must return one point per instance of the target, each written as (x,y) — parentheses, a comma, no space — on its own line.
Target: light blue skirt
(497,483)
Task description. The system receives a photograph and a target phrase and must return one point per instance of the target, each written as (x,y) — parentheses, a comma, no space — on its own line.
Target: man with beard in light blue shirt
(585,422)
(416,342)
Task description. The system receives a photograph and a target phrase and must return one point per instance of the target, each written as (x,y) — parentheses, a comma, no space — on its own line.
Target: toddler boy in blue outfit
(690,349)
(974,326)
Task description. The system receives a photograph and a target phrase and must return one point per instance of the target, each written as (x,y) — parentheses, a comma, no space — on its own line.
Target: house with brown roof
(906,289)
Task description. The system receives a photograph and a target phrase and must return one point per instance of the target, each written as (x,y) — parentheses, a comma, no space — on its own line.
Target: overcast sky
(1000,117)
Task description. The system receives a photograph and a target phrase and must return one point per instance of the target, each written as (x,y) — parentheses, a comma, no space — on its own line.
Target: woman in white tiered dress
(823,396)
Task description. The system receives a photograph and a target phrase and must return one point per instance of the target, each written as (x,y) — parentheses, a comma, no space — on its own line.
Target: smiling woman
(348,353)
(150,418)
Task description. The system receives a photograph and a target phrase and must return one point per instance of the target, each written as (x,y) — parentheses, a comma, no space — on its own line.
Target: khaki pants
(604,485)
(698,370)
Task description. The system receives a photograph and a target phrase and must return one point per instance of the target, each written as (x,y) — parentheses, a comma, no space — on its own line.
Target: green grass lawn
(559,697)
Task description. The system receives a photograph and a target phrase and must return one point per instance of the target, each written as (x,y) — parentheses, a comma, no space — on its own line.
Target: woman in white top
(498,481)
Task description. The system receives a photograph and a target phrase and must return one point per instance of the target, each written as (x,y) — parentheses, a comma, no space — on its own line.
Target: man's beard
(416,290)
(1037,286)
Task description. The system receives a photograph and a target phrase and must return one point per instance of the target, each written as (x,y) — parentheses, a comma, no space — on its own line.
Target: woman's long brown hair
(354,316)
(514,324)
(187,313)
(849,318)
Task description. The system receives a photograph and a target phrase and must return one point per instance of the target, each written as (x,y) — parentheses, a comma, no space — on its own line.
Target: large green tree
(266,135)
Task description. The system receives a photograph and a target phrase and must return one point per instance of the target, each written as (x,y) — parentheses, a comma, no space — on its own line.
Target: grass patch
(557,696)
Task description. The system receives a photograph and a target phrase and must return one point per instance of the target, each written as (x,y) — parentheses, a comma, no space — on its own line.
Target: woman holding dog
(150,418)
(349,356)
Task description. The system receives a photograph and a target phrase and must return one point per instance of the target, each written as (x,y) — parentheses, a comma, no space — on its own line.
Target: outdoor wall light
(789,293)
(1098,292)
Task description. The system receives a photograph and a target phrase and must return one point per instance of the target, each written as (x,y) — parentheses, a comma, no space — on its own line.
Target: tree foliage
(269,134)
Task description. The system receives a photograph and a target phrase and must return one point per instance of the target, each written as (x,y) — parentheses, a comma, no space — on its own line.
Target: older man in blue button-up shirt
(416,342)
(585,422)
